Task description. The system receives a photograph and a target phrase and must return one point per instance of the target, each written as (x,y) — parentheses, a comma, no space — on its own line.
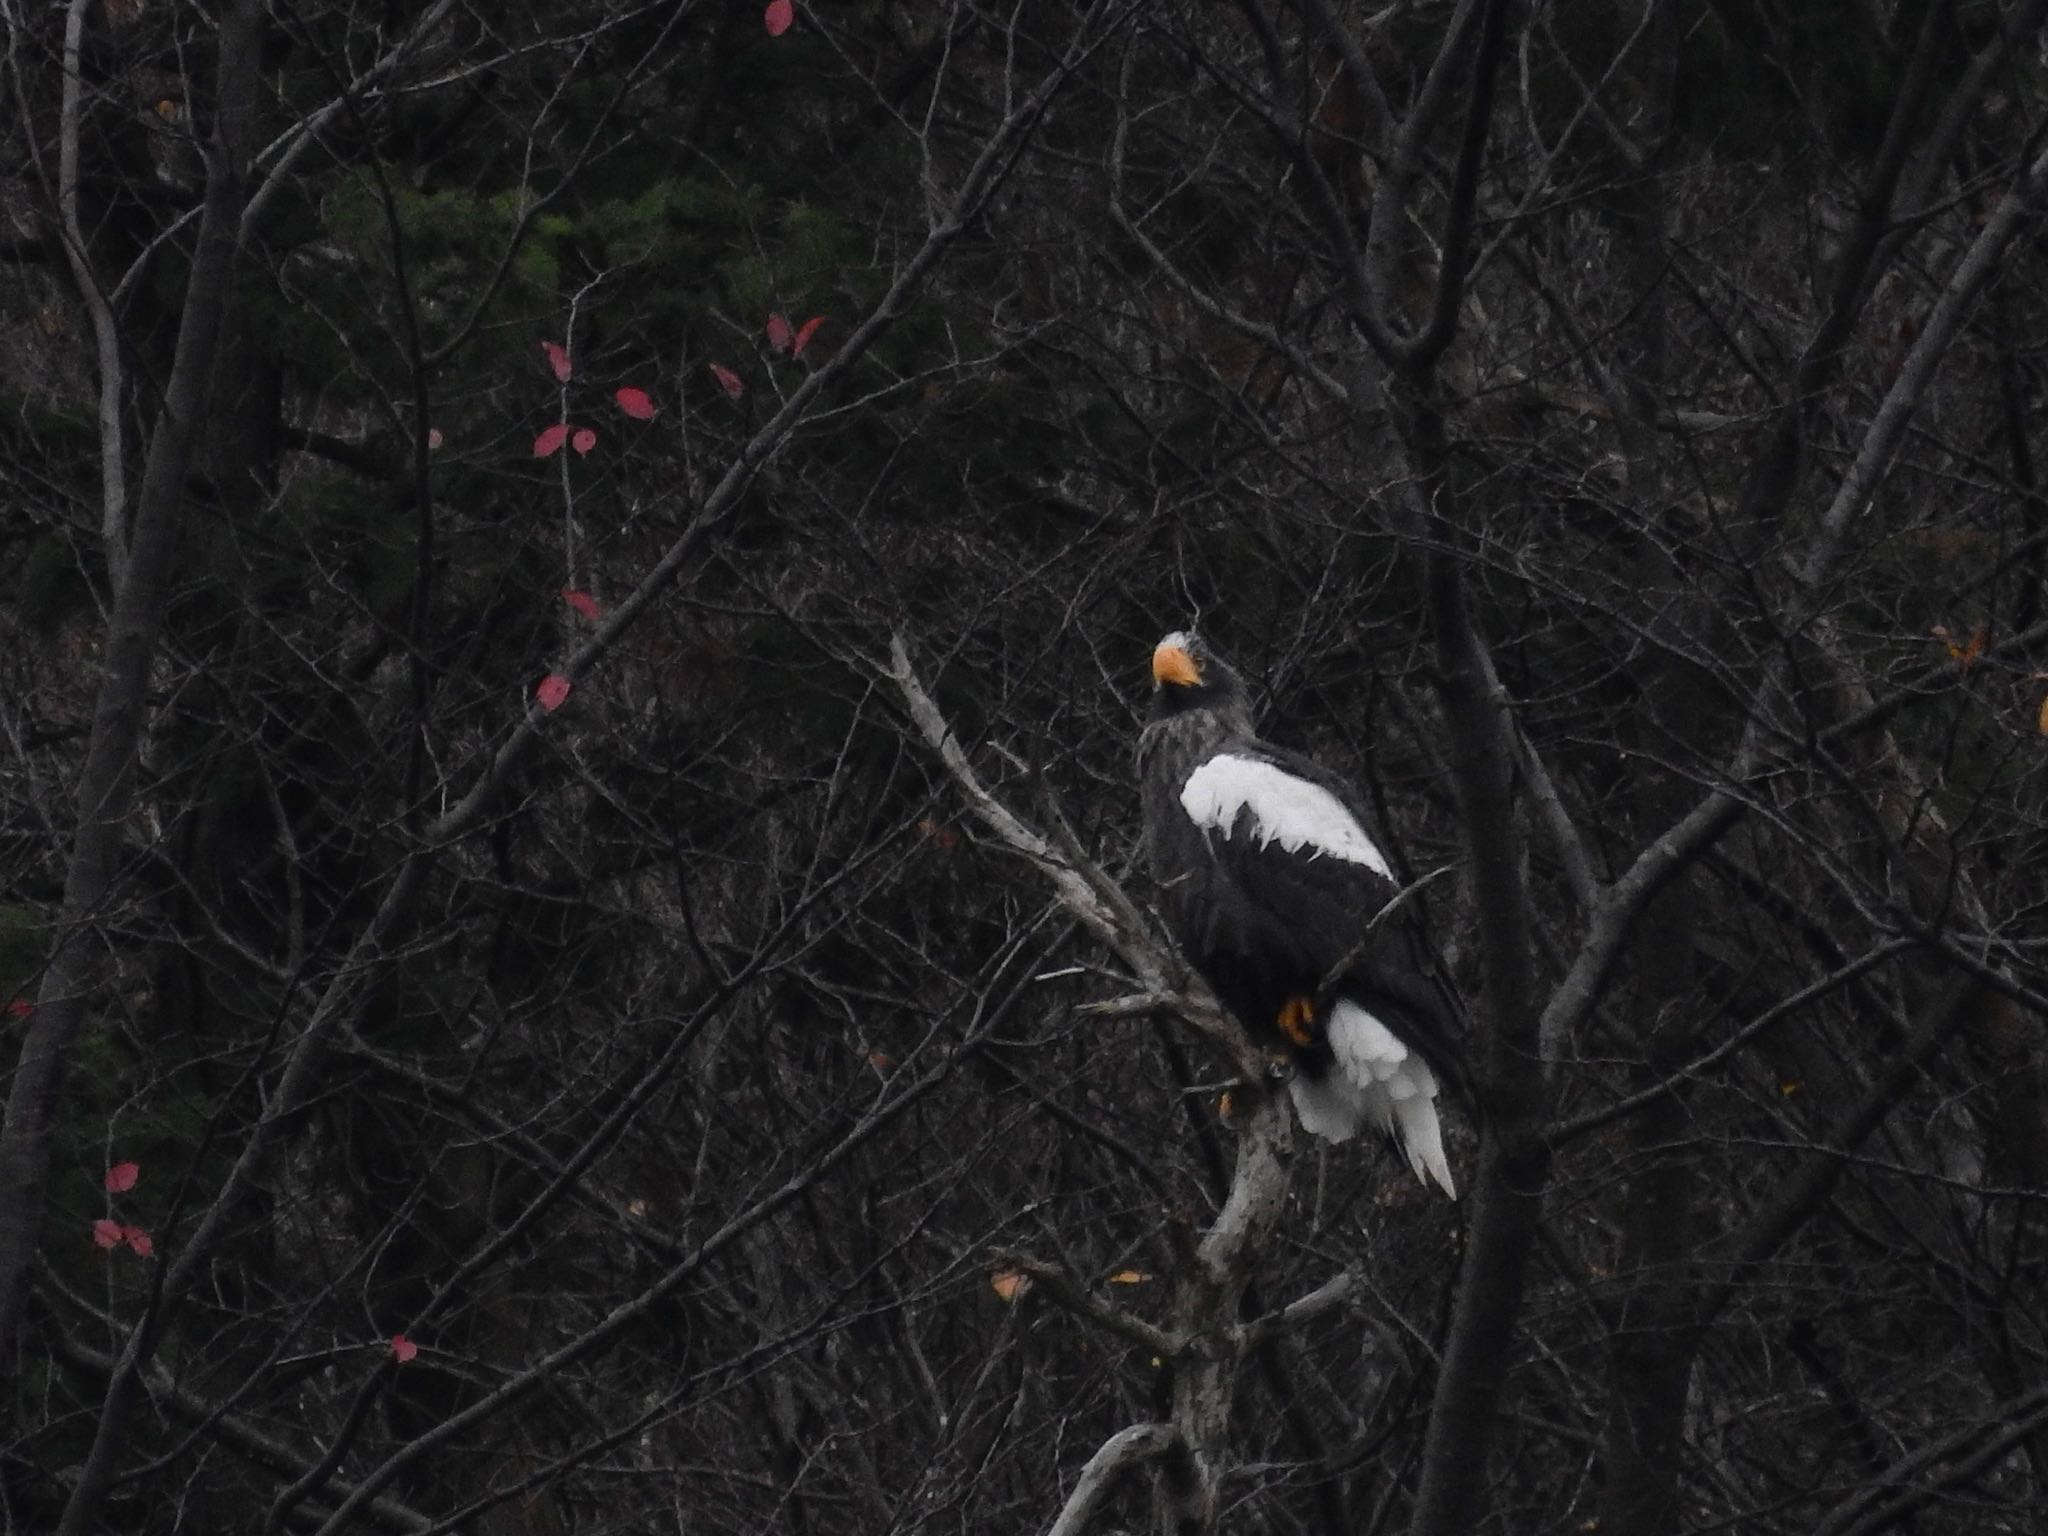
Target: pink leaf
(433,438)
(138,1239)
(778,16)
(635,403)
(551,691)
(584,440)
(804,335)
(778,333)
(550,440)
(582,602)
(728,380)
(122,1176)
(558,360)
(106,1234)
(402,1348)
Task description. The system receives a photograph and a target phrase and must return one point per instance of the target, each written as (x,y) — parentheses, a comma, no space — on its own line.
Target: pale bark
(1122,1450)
(106,336)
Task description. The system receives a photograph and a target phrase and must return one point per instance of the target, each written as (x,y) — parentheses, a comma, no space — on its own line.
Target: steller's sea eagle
(1270,884)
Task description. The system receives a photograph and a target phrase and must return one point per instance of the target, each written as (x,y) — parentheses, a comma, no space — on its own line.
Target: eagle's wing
(1289,872)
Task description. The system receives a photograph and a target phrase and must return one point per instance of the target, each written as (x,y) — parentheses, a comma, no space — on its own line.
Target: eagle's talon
(1297,1014)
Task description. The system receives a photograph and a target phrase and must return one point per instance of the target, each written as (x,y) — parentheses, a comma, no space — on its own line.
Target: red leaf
(728,380)
(402,1348)
(804,335)
(433,438)
(584,440)
(551,690)
(138,1239)
(558,359)
(778,16)
(778,333)
(582,602)
(105,1234)
(550,440)
(122,1176)
(20,1008)
(635,403)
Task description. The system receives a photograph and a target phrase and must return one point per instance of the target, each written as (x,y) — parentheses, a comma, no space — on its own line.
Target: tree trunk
(106,789)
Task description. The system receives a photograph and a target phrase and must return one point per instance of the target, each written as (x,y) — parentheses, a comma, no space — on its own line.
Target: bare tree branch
(1057,1285)
(1122,1450)
(1089,894)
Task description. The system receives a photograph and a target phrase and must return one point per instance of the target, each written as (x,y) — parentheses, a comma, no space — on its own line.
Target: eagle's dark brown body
(1270,883)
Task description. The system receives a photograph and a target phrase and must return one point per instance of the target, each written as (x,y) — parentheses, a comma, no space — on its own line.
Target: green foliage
(816,244)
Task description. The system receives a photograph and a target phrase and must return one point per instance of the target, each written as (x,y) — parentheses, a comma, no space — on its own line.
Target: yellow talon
(1296,1015)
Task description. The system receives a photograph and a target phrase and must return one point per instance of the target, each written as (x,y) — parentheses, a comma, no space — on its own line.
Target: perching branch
(1096,900)
(1206,1341)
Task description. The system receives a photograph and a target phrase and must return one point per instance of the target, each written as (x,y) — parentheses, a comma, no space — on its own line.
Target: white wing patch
(1286,810)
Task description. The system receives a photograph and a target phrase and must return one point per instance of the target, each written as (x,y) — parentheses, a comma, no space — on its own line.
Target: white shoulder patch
(1286,810)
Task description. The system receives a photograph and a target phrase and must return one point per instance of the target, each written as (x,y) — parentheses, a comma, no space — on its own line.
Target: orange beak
(1172,664)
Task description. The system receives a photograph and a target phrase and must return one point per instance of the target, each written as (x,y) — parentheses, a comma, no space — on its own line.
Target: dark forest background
(520,1020)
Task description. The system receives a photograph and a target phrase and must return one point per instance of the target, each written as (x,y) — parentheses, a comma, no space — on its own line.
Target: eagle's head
(1187,675)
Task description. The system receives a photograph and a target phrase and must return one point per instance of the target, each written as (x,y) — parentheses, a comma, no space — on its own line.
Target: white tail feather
(1327,1106)
(1422,1138)
(1379,1080)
